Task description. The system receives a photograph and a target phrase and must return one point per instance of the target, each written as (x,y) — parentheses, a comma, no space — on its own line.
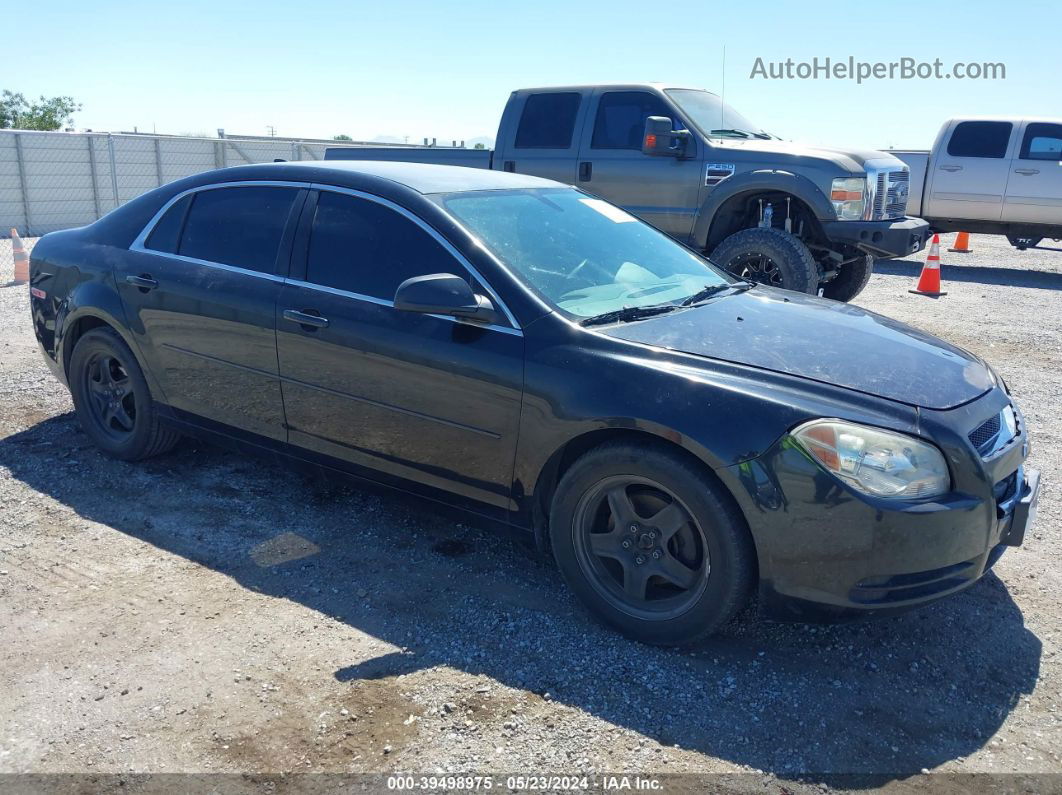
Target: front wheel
(650,544)
(769,256)
(851,279)
(112,398)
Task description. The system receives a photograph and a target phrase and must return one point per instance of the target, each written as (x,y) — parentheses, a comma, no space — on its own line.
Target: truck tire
(851,280)
(1022,243)
(769,256)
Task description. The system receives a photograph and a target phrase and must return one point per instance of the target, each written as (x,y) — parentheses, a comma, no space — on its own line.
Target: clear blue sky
(445,69)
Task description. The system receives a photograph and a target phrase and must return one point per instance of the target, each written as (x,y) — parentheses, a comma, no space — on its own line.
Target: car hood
(821,340)
(849,159)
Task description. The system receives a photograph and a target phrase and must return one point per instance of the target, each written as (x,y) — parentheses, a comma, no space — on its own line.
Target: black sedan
(534,355)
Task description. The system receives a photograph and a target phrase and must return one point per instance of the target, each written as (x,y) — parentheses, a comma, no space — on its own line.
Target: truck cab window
(363,247)
(239,226)
(548,121)
(980,139)
(1042,142)
(621,115)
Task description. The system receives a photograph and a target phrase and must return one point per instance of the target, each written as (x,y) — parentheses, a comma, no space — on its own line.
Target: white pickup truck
(997,176)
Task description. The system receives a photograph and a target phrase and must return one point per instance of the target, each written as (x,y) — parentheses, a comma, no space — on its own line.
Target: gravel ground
(209,612)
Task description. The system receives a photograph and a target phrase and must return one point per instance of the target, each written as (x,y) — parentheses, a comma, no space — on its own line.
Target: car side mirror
(444,294)
(661,141)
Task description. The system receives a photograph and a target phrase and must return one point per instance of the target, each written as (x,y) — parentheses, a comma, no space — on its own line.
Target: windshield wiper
(714,289)
(627,314)
(739,133)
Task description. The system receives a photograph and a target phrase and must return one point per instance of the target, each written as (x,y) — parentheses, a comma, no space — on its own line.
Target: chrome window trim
(138,245)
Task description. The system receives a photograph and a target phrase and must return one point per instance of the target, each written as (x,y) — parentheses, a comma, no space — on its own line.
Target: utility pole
(272,130)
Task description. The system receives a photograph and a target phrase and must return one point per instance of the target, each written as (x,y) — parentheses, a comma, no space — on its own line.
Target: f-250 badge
(714,173)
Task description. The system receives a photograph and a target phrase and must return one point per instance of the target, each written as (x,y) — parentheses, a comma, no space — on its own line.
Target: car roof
(420,177)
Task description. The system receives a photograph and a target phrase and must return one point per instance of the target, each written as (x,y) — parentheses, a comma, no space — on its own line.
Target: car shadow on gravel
(981,274)
(882,699)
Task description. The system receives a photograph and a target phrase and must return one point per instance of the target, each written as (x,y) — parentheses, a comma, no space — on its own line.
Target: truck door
(970,172)
(1034,190)
(660,190)
(545,143)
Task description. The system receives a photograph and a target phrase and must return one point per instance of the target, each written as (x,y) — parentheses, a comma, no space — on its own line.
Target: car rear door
(1034,190)
(545,142)
(970,172)
(413,396)
(660,190)
(200,289)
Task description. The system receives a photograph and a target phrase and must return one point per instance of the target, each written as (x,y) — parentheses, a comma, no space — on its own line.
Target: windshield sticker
(614,214)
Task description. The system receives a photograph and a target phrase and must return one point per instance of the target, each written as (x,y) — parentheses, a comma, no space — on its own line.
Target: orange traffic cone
(962,243)
(929,281)
(18,253)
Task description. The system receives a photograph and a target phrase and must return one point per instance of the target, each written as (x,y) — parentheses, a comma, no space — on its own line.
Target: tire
(604,513)
(112,399)
(769,256)
(850,282)
(1022,243)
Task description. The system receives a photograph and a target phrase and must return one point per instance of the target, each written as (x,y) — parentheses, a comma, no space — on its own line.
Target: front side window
(363,247)
(1042,142)
(620,120)
(239,226)
(548,121)
(582,254)
(980,139)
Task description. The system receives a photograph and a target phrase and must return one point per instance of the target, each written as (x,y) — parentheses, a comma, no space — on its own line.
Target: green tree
(480,146)
(45,114)
(342,138)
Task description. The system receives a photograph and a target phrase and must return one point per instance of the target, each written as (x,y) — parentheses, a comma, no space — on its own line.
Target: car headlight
(875,462)
(848,195)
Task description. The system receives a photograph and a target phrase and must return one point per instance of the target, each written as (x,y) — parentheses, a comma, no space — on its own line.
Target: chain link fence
(51,181)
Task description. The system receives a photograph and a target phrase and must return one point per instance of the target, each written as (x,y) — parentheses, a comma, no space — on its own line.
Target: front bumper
(881,238)
(827,552)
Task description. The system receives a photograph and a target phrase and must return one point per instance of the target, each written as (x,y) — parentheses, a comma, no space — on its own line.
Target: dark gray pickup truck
(804,218)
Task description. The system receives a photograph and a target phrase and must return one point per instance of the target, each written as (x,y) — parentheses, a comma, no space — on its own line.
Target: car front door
(1034,191)
(200,287)
(414,396)
(969,177)
(660,190)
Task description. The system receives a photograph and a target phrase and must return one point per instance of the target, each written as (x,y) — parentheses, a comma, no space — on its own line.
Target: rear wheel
(769,256)
(650,544)
(1022,243)
(112,398)
(851,279)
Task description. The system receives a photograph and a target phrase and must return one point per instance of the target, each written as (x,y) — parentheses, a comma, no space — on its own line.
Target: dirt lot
(207,612)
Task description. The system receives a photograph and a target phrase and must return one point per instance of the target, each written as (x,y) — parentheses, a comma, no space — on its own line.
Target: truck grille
(890,199)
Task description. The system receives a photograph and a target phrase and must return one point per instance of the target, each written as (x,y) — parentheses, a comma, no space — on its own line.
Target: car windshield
(583,255)
(712,117)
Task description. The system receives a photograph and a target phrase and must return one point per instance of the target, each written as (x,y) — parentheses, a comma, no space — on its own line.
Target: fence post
(92,173)
(19,158)
(114,168)
(158,160)
(295,151)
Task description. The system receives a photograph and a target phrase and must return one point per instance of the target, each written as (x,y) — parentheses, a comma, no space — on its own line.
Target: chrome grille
(895,206)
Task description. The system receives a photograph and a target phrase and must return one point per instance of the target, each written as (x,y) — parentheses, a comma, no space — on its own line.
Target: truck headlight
(848,195)
(875,462)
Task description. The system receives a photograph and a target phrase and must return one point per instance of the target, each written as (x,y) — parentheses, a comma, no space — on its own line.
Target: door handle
(1027,171)
(143,282)
(951,168)
(586,169)
(305,319)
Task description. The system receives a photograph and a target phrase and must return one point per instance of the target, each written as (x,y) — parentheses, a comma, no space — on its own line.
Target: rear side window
(1042,142)
(238,226)
(980,139)
(363,247)
(548,121)
(167,231)
(620,120)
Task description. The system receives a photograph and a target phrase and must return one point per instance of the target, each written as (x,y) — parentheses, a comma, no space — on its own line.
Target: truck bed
(442,156)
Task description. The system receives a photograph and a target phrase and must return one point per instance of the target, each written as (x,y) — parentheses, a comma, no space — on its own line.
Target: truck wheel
(769,256)
(851,280)
(651,544)
(112,399)
(1022,243)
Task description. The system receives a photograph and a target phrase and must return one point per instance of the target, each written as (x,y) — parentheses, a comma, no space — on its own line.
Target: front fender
(760,181)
